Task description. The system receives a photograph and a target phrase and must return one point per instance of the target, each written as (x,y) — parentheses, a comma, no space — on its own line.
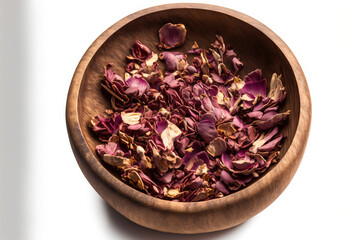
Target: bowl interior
(253,47)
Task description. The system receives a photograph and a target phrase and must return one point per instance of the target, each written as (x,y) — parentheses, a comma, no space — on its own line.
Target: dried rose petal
(130,118)
(173,60)
(117,161)
(197,160)
(264,138)
(277,90)
(140,51)
(172,192)
(220,186)
(271,122)
(138,86)
(172,35)
(216,147)
(169,134)
(207,130)
(227,129)
(106,127)
(110,149)
(254,84)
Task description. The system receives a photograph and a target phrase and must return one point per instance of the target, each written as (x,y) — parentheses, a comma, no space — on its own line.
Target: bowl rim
(82,150)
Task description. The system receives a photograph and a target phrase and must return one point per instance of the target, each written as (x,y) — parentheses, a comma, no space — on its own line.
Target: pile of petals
(193,131)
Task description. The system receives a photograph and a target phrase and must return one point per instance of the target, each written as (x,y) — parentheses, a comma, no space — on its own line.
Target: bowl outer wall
(198,217)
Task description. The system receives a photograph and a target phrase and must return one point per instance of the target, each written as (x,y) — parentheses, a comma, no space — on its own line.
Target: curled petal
(221,187)
(271,122)
(226,160)
(244,163)
(149,183)
(269,115)
(226,129)
(203,194)
(255,114)
(237,64)
(135,179)
(270,145)
(191,69)
(276,92)
(140,51)
(172,192)
(112,77)
(173,60)
(264,138)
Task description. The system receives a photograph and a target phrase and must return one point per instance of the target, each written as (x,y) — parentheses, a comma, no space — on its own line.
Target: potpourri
(194,130)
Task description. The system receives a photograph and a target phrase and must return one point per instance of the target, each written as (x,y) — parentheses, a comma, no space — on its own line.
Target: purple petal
(140,51)
(217,78)
(161,126)
(271,122)
(173,60)
(172,35)
(253,76)
(207,130)
(258,106)
(109,148)
(270,145)
(212,91)
(134,127)
(226,160)
(197,160)
(230,53)
(254,84)
(112,77)
(166,178)
(141,84)
(171,81)
(244,163)
(224,90)
(195,184)
(221,187)
(238,122)
(105,127)
(269,115)
(191,69)
(226,177)
(209,116)
(264,138)
(255,114)
(254,88)
(237,64)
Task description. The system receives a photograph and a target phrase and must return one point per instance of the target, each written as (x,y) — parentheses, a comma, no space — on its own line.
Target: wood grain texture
(256,45)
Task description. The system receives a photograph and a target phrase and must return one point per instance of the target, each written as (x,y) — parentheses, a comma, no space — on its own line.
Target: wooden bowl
(256,45)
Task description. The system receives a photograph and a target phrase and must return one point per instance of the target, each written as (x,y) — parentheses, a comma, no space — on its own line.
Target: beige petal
(169,134)
(116,161)
(131,118)
(216,147)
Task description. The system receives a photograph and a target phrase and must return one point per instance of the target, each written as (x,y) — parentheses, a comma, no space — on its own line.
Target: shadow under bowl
(256,45)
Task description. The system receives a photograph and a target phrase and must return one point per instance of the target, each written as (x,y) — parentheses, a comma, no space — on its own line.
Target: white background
(45,196)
